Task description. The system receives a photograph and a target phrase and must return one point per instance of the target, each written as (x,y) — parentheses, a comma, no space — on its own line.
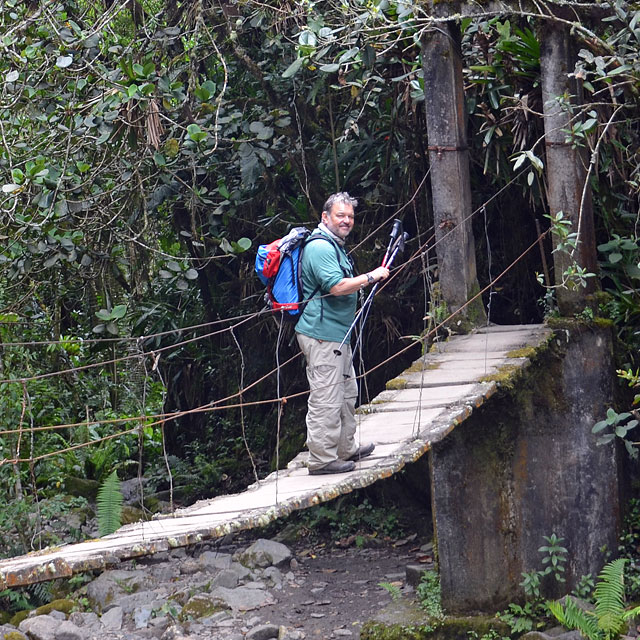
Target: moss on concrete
(525,352)
(421,365)
(506,376)
(396,383)
(451,628)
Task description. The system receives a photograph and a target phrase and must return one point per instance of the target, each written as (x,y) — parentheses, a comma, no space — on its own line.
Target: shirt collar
(323,227)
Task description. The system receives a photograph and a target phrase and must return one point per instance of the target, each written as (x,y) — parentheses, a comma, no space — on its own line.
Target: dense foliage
(148,147)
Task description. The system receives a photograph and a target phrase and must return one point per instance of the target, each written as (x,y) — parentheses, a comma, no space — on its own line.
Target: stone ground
(240,588)
(337,590)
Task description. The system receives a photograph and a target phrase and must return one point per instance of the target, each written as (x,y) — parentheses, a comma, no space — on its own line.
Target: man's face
(339,220)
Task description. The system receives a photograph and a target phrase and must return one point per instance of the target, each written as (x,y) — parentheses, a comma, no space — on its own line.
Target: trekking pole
(394,246)
(396,231)
(399,247)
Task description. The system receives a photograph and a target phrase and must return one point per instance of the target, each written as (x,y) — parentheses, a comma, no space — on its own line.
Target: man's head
(337,214)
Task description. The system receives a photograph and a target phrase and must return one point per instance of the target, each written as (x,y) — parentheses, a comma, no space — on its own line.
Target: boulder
(264,553)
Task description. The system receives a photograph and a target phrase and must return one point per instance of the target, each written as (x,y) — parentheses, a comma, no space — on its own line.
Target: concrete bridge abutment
(527,466)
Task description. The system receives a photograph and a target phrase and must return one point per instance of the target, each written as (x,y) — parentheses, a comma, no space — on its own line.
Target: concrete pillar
(523,467)
(449,166)
(566,167)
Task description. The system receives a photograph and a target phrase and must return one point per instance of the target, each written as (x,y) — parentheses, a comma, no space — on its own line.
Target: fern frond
(609,597)
(573,617)
(109,504)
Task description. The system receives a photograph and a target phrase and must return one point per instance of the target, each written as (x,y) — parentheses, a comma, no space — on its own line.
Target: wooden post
(449,166)
(566,164)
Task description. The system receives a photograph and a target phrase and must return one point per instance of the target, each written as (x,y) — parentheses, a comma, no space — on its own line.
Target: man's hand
(380,273)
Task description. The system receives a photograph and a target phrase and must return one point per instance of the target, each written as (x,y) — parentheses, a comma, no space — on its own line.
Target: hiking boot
(336,466)
(362,452)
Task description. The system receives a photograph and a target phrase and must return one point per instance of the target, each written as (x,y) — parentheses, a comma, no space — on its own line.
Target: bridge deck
(419,408)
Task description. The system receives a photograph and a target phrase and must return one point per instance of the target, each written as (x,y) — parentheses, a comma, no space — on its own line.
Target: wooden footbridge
(418,409)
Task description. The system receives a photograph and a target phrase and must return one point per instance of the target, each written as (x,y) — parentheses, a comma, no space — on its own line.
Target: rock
(63,606)
(111,584)
(242,572)
(40,627)
(11,633)
(142,615)
(227,578)
(291,634)
(80,619)
(130,602)
(202,605)
(414,573)
(164,572)
(264,632)
(69,631)
(242,598)
(264,553)
(342,633)
(274,576)
(112,619)
(189,567)
(81,487)
(215,560)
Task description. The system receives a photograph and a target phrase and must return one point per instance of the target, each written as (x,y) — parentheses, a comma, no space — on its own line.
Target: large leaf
(109,504)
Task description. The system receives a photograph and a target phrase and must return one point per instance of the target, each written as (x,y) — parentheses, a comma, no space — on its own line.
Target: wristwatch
(370,279)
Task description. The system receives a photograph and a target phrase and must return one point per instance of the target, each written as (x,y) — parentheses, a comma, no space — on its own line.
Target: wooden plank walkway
(419,408)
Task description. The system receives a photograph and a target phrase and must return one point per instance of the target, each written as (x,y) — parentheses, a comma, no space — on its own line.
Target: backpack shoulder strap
(333,243)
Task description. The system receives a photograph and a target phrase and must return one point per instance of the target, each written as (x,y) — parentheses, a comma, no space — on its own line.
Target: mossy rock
(131,514)
(200,606)
(19,617)
(63,604)
(13,635)
(82,487)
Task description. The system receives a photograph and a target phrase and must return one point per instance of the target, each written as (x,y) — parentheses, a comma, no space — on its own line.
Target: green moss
(19,617)
(13,635)
(199,608)
(506,376)
(421,365)
(396,383)
(451,628)
(525,352)
(65,605)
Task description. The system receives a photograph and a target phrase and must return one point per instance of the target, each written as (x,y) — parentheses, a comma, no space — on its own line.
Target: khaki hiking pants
(331,422)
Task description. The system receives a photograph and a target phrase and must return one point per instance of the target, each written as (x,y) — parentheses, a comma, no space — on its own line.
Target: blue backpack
(278,267)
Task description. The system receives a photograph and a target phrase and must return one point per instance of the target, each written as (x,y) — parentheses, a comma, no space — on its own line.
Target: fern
(572,616)
(607,622)
(609,596)
(109,505)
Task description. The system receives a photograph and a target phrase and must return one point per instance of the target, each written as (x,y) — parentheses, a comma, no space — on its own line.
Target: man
(331,287)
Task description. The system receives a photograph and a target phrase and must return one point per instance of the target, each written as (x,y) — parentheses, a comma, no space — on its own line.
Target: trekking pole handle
(396,231)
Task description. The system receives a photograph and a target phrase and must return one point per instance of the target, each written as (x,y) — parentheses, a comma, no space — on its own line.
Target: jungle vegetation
(148,147)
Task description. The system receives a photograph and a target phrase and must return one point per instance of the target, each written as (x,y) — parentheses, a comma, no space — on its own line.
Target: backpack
(278,267)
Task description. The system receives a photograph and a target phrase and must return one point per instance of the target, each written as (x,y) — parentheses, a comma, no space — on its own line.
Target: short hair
(341,196)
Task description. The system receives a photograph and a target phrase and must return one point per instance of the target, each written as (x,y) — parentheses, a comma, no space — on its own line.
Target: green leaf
(109,505)
(329,68)
(64,61)
(191,274)
(244,244)
(103,314)
(119,311)
(293,68)
(615,257)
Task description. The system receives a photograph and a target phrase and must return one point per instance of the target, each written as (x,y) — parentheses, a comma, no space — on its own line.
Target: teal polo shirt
(327,318)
